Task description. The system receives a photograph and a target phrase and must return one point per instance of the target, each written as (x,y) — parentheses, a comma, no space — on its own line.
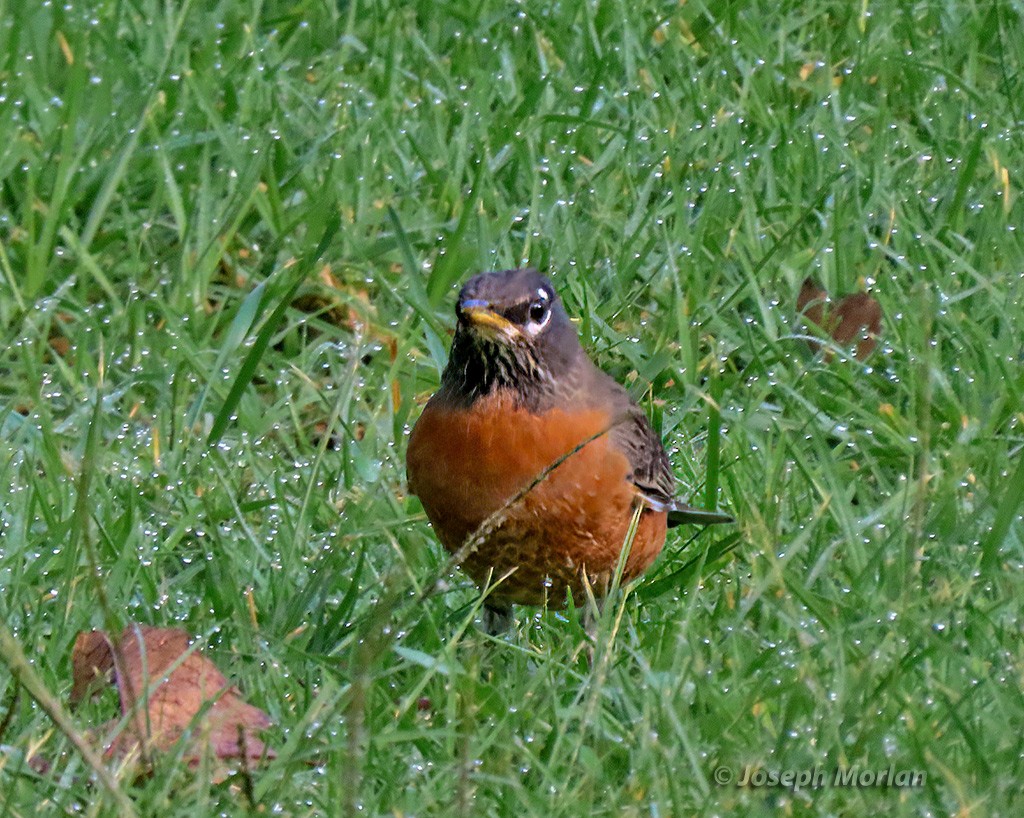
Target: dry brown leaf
(811,301)
(91,663)
(60,344)
(57,340)
(857,317)
(176,689)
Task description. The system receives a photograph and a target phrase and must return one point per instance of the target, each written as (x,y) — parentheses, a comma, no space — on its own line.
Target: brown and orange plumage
(518,394)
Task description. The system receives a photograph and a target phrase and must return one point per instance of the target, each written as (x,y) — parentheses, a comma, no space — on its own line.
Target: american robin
(537,454)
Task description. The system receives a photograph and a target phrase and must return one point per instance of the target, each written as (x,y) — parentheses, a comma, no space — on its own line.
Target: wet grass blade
(252,360)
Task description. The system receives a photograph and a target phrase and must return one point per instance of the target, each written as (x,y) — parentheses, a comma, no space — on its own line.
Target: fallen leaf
(858,317)
(91,663)
(854,318)
(811,303)
(167,688)
(60,344)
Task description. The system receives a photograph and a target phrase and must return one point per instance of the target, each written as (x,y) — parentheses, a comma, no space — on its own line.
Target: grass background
(230,236)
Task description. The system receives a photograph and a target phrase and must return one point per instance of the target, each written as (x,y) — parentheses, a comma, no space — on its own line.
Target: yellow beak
(488,319)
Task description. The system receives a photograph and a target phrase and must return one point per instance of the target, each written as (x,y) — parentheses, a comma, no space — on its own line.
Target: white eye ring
(542,305)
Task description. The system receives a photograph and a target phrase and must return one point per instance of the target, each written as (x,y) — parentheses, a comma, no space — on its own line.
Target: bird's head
(512,332)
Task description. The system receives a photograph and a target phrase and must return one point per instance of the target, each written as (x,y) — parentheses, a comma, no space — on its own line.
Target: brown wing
(651,470)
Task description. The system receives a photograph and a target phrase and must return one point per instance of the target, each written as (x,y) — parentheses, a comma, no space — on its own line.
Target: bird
(531,462)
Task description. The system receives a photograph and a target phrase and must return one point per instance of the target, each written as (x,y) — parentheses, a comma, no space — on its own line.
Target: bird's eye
(538,309)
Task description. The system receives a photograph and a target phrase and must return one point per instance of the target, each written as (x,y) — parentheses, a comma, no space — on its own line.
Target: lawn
(231,234)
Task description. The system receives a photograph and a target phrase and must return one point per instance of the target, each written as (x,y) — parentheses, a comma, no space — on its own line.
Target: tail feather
(696,516)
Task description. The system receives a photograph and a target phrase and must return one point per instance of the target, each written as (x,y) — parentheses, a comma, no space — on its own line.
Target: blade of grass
(106,195)
(1007,508)
(714,442)
(259,347)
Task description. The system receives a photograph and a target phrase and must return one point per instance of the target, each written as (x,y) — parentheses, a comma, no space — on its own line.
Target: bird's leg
(497,618)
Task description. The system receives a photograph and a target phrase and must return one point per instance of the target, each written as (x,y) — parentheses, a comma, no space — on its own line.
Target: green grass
(187,406)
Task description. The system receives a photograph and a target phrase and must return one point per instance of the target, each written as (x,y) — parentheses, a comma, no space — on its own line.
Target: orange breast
(466,464)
